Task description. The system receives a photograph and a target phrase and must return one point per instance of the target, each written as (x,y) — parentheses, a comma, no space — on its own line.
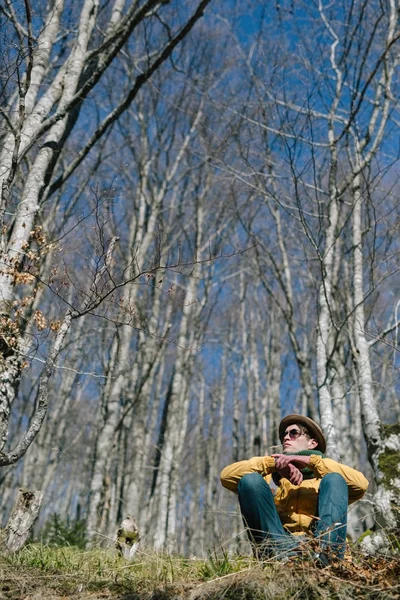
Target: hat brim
(312,427)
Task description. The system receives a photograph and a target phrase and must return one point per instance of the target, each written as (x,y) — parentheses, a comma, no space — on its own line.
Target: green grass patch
(46,572)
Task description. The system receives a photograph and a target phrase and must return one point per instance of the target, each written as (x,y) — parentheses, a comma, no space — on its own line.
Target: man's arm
(282,461)
(355,480)
(232,474)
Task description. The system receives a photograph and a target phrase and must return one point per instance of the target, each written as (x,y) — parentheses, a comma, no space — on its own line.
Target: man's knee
(333,480)
(252,482)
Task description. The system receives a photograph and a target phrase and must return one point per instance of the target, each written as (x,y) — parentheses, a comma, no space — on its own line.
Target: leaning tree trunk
(42,460)
(27,209)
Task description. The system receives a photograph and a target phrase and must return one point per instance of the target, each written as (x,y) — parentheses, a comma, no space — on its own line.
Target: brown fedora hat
(313,429)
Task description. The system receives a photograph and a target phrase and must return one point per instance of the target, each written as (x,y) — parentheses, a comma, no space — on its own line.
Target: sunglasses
(293,434)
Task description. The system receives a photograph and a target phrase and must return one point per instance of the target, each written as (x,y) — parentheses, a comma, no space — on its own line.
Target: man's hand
(283,460)
(290,472)
(289,465)
(294,475)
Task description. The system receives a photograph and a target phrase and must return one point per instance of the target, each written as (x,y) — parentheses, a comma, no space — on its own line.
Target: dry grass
(45,573)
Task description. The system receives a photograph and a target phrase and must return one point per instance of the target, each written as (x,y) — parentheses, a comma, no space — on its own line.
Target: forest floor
(46,573)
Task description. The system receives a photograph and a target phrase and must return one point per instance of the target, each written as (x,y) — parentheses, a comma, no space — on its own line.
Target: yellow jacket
(296,504)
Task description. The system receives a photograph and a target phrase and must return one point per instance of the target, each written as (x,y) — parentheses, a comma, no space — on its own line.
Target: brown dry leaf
(23,278)
(40,320)
(55,325)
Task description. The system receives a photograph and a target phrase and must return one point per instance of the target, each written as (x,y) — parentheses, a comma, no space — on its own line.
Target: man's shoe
(321,560)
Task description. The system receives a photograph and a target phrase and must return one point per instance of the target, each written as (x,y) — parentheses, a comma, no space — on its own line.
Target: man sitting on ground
(312,496)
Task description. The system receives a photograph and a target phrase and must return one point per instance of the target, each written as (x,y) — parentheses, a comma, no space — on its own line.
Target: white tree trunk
(111,408)
(383,443)
(169,475)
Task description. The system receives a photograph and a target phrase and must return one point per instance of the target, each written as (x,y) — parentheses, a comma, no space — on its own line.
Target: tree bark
(22,518)
(383,443)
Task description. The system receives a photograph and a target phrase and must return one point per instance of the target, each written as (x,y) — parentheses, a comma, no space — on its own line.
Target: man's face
(295,441)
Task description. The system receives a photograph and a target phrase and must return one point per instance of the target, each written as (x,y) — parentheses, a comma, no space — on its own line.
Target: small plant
(394,539)
(64,532)
(217,565)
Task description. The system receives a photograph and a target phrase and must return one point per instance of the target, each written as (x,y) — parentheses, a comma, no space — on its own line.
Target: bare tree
(55,71)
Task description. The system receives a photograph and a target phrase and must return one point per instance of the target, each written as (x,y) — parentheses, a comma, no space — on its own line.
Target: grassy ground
(45,573)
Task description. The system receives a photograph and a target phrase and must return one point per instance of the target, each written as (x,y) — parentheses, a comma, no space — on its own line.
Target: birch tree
(56,70)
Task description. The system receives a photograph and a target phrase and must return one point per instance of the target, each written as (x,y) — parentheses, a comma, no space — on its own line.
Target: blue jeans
(265,528)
